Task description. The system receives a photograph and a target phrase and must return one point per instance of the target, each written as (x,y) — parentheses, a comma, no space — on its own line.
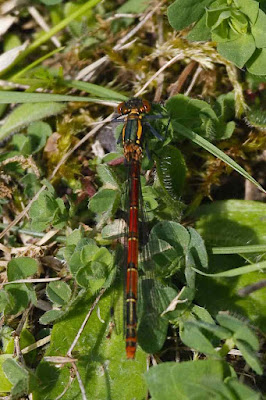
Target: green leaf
(182,130)
(113,230)
(256,117)
(22,294)
(11,40)
(80,255)
(197,248)
(181,14)
(5,384)
(203,379)
(171,170)
(31,184)
(88,253)
(224,107)
(257,63)
(249,8)
(250,356)
(152,327)
(96,344)
(259,30)
(48,210)
(192,113)
(27,113)
(216,16)
(91,266)
(193,337)
(107,175)
(239,23)
(214,329)
(74,237)
(103,256)
(165,256)
(74,264)
(21,268)
(58,292)
(105,200)
(50,316)
(173,233)
(18,376)
(202,314)
(22,144)
(133,6)
(231,222)
(200,32)
(238,51)
(239,328)
(38,133)
(5,300)
(242,391)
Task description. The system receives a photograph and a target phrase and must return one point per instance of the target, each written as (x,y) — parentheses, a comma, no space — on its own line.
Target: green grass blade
(257,248)
(236,271)
(96,90)
(197,139)
(35,63)
(8,97)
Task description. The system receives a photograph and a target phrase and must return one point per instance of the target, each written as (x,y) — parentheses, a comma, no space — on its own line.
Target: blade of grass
(235,271)
(197,139)
(34,63)
(96,90)
(7,97)
(257,248)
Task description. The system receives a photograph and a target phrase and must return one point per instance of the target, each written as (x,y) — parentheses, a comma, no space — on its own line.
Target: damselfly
(134,117)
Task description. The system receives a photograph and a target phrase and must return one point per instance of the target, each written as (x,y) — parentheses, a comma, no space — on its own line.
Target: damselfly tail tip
(130,351)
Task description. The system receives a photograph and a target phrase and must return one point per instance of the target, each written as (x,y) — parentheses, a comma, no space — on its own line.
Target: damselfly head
(135,104)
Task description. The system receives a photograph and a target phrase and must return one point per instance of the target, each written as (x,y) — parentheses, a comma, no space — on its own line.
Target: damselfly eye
(146,105)
(120,108)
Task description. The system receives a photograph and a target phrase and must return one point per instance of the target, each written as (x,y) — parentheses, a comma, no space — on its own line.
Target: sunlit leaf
(27,113)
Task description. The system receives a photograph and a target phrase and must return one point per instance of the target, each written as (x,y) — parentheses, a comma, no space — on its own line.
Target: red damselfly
(134,112)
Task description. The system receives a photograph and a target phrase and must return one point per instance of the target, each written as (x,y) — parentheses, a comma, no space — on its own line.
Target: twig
(177,86)
(37,344)
(47,237)
(166,65)
(81,386)
(121,15)
(85,322)
(39,19)
(40,280)
(71,378)
(160,80)
(193,81)
(252,288)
